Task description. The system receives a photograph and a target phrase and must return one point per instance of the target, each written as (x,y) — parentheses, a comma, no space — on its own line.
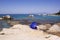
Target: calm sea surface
(36,18)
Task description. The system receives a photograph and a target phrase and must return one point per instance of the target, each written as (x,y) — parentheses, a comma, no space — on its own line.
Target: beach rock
(21,27)
(42,27)
(17,26)
(1,18)
(7,17)
(13,22)
(48,25)
(2,33)
(1,28)
(58,24)
(54,29)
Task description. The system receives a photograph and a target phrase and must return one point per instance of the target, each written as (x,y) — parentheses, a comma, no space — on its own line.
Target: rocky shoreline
(23,32)
(18,26)
(48,28)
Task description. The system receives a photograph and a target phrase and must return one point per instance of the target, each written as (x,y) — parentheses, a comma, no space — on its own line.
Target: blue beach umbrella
(33,25)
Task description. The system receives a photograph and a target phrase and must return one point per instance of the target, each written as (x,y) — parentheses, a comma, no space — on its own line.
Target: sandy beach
(23,32)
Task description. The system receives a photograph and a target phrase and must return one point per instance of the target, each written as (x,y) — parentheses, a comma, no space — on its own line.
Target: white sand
(23,32)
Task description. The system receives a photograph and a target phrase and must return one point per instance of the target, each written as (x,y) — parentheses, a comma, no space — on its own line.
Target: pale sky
(29,6)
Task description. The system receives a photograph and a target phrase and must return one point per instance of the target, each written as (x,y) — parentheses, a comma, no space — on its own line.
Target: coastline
(20,30)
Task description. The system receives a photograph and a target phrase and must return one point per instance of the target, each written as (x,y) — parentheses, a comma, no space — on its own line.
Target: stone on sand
(54,29)
(43,27)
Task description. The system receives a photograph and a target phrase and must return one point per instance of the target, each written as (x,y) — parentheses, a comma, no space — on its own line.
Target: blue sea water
(39,18)
(36,18)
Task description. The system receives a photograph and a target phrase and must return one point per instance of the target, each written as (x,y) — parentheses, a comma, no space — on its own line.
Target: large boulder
(1,18)
(58,24)
(54,29)
(13,22)
(44,27)
(1,28)
(41,27)
(48,25)
(7,17)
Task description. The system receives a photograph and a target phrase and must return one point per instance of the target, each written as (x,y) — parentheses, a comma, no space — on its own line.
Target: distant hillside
(58,13)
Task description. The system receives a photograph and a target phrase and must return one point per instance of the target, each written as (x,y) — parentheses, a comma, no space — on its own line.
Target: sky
(29,6)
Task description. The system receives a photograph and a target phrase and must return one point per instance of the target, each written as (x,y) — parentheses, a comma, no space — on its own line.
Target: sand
(23,32)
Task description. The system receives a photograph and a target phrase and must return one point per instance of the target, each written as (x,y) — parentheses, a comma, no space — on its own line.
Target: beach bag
(33,25)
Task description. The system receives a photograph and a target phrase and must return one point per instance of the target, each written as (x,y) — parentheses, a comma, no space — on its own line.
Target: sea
(33,18)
